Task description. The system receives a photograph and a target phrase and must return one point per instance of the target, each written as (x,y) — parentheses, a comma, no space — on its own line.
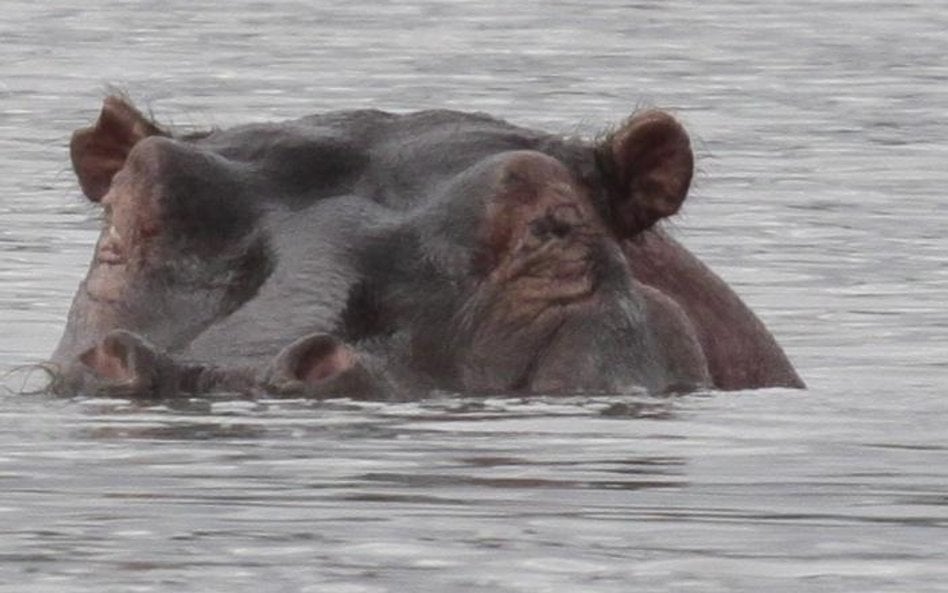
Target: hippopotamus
(375,255)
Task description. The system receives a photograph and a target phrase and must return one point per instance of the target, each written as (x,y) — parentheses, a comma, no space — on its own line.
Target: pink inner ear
(324,361)
(99,152)
(655,163)
(109,360)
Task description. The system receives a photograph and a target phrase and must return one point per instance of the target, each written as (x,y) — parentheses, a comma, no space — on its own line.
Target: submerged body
(368,254)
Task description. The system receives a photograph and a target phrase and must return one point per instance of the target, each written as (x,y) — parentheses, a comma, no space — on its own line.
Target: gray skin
(373,255)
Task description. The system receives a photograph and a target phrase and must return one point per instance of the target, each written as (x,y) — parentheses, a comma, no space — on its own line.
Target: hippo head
(177,251)
(368,254)
(514,279)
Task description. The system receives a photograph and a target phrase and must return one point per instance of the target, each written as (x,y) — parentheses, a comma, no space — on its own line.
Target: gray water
(822,132)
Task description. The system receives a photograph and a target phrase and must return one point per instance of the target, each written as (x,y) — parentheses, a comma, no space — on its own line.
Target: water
(822,143)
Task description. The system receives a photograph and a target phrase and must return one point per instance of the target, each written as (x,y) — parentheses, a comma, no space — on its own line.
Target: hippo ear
(99,152)
(652,164)
(312,361)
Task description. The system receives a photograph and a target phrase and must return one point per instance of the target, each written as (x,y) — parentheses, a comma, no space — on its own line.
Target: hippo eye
(550,227)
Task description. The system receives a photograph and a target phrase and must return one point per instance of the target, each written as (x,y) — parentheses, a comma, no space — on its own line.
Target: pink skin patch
(538,232)
(324,362)
(109,360)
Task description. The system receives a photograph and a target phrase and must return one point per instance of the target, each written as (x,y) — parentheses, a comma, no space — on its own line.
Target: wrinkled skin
(373,255)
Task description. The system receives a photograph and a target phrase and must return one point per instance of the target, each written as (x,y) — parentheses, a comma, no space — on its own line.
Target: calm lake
(822,135)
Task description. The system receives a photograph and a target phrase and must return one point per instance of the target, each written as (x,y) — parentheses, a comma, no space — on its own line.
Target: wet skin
(373,255)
